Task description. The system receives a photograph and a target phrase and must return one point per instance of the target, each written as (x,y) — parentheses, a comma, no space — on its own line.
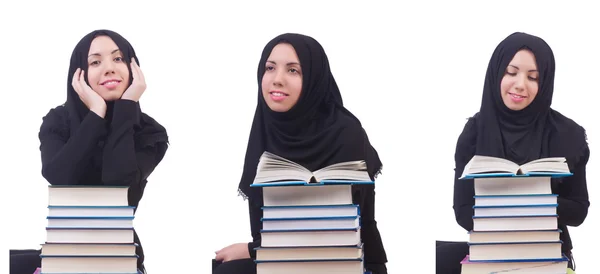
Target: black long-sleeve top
(99,152)
(573,202)
(374,253)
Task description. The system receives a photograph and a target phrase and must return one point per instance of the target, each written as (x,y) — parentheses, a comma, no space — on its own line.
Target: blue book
(346,265)
(312,183)
(518,200)
(90,217)
(516,210)
(89,221)
(56,264)
(541,265)
(503,236)
(311,222)
(308,260)
(563,258)
(515,222)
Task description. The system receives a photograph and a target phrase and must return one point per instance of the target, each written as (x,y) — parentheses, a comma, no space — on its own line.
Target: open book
(272,168)
(493,165)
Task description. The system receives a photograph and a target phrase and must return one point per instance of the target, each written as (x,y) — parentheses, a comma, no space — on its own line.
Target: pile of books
(90,230)
(309,224)
(515,221)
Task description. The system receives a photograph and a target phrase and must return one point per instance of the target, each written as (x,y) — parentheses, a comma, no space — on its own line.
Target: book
(90,221)
(500,186)
(507,236)
(512,200)
(308,252)
(273,168)
(125,264)
(515,251)
(484,166)
(89,230)
(502,223)
(310,223)
(515,216)
(310,211)
(87,195)
(536,266)
(330,193)
(310,237)
(64,211)
(314,266)
(515,210)
(92,235)
(88,249)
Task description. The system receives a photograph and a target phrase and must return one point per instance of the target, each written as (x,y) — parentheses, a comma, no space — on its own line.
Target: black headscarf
(316,131)
(150,131)
(534,132)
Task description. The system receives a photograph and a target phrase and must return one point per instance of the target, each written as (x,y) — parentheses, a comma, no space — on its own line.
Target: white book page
(543,160)
(546,167)
(354,175)
(555,164)
(273,168)
(352,165)
(271,161)
(482,164)
(282,176)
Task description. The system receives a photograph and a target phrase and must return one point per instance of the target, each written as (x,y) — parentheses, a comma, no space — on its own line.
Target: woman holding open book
(516,122)
(100,136)
(300,116)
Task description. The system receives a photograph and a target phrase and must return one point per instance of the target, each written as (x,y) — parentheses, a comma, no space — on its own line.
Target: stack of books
(90,230)
(309,224)
(515,221)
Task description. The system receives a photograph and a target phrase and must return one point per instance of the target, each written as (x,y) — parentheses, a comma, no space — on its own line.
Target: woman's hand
(88,96)
(233,252)
(138,85)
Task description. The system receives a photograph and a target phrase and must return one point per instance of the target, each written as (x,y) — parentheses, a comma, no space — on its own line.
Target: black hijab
(149,132)
(534,132)
(316,131)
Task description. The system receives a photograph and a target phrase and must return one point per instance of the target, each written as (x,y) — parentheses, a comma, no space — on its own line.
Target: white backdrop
(412,74)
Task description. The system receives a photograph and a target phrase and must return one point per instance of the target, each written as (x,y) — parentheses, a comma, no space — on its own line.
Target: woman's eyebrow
(289,64)
(98,54)
(531,70)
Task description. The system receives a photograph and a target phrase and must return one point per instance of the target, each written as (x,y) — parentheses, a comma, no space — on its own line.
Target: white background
(412,74)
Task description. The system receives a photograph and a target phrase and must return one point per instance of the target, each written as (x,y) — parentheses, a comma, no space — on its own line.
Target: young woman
(100,136)
(516,122)
(300,116)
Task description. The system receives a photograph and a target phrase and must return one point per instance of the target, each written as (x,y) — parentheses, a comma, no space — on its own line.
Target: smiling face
(282,81)
(519,85)
(107,71)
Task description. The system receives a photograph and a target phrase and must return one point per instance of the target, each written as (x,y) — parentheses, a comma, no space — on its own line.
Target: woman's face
(282,81)
(107,73)
(519,86)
